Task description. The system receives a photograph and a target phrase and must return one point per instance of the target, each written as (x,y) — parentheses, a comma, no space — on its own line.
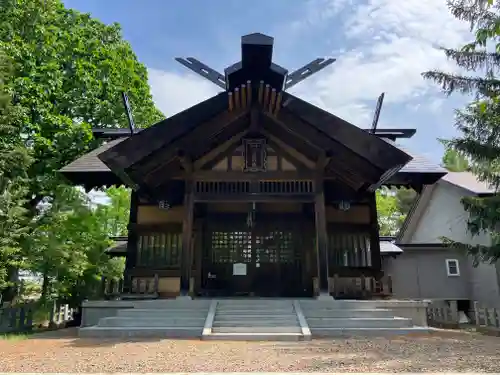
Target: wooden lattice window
(274,247)
(231,247)
(159,249)
(254,155)
(349,249)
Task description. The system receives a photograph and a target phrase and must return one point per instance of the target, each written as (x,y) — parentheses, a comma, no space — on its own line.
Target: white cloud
(395,42)
(173,93)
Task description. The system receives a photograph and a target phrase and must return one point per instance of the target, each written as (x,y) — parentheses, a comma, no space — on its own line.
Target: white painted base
(184,298)
(324,297)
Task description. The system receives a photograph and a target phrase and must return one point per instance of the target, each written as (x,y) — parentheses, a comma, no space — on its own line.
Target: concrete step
(161,312)
(333,304)
(173,304)
(139,332)
(258,329)
(254,336)
(255,312)
(151,322)
(346,313)
(256,322)
(251,317)
(254,307)
(367,332)
(359,322)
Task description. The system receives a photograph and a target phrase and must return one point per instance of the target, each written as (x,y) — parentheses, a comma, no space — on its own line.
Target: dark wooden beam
(376,259)
(187,237)
(267,198)
(220,152)
(271,123)
(321,236)
(254,120)
(289,153)
(132,238)
(140,229)
(340,154)
(368,146)
(204,131)
(138,147)
(204,175)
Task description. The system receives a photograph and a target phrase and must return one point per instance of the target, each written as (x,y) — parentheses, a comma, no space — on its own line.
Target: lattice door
(231,247)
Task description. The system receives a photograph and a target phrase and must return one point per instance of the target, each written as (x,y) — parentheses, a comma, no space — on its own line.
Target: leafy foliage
(14,161)
(69,72)
(454,161)
(62,73)
(68,243)
(479,122)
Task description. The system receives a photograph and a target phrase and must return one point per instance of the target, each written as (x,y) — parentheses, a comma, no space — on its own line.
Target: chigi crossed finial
(256,65)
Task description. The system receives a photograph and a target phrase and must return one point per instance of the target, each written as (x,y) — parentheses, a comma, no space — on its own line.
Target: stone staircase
(257,319)
(251,319)
(167,318)
(333,318)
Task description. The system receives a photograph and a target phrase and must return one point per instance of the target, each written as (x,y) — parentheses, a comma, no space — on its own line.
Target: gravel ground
(62,352)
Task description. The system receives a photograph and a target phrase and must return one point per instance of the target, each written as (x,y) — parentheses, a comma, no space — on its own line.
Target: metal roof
(468,181)
(90,162)
(419,163)
(389,247)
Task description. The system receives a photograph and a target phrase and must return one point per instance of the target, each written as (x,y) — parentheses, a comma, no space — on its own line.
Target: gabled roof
(89,171)
(89,168)
(464,180)
(255,102)
(469,182)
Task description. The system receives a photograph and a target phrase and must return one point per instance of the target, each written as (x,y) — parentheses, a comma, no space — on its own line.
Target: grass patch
(14,336)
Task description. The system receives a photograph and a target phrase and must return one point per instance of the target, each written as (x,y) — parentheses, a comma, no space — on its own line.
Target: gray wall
(421,273)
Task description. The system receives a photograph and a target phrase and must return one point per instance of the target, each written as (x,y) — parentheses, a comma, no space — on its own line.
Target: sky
(380,46)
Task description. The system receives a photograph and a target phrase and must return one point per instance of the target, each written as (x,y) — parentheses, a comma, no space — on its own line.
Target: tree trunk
(10,293)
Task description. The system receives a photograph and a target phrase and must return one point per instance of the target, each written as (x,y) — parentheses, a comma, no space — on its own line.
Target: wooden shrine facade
(253,191)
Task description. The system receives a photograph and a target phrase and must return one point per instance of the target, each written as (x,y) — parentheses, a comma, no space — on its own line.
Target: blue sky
(380,46)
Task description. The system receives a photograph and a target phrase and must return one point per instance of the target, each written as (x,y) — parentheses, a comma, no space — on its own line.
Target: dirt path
(61,351)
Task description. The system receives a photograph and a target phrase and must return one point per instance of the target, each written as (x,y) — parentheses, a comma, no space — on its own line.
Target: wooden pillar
(132,241)
(187,238)
(321,237)
(376,259)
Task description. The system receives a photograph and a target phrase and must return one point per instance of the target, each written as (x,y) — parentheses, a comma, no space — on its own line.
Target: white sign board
(239,269)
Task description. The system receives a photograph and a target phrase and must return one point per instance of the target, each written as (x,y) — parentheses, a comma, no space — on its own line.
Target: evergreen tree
(478,124)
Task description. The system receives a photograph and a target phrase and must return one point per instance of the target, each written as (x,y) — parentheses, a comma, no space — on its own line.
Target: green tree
(453,160)
(478,123)
(14,162)
(390,217)
(115,214)
(69,72)
(67,246)
(405,200)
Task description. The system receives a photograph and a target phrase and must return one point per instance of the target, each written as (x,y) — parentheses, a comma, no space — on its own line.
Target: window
(159,249)
(452,268)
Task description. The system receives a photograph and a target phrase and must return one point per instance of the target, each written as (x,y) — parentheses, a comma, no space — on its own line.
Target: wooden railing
(487,319)
(131,288)
(362,287)
(255,187)
(447,315)
(443,315)
(23,318)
